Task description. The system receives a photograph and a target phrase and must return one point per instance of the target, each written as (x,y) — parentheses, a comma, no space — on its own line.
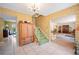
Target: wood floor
(65,43)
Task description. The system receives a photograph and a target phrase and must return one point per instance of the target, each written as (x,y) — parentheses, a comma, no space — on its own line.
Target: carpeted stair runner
(40,36)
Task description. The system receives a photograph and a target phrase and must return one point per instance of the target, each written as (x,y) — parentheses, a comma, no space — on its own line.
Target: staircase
(40,36)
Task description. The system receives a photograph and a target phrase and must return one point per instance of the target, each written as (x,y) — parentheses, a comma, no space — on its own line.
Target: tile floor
(49,48)
(8,46)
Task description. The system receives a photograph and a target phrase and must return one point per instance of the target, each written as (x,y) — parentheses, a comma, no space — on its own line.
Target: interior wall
(44,21)
(77,27)
(20,16)
(1,29)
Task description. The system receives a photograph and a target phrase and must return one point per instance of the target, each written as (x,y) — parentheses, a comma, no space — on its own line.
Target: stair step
(41,38)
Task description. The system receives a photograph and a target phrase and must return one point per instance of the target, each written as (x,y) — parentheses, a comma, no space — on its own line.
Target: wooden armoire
(26,33)
(65,28)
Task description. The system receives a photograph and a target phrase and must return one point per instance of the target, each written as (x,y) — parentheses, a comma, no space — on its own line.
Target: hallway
(8,47)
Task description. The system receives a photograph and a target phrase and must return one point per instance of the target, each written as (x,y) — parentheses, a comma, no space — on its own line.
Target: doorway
(63,30)
(9,38)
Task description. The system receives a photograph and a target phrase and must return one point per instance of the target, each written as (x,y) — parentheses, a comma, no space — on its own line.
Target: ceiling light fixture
(35,9)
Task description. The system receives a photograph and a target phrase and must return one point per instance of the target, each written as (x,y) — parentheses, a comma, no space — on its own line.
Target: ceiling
(44,8)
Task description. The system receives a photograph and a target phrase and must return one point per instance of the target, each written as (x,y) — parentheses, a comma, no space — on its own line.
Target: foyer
(40,29)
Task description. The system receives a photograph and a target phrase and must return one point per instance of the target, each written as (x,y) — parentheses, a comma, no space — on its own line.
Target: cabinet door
(30,30)
(22,33)
(24,30)
(26,33)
